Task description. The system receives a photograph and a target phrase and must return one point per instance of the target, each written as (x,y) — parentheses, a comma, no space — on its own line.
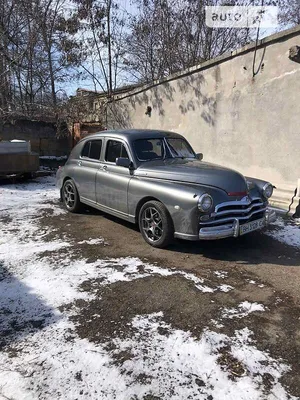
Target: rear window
(95,149)
(86,150)
(92,149)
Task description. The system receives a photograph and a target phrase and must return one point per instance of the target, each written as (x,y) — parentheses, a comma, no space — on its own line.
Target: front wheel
(70,196)
(155,224)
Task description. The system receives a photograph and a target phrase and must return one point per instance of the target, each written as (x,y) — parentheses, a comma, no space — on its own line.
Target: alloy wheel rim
(152,224)
(69,195)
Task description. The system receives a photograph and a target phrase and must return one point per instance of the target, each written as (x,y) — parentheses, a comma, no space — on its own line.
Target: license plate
(252,226)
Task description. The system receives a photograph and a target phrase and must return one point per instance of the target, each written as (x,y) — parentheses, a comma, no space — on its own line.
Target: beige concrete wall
(250,124)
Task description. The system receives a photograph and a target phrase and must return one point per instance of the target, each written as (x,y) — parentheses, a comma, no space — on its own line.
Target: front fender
(180,199)
(256,186)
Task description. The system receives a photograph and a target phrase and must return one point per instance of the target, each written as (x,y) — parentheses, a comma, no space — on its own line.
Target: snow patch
(53,158)
(287,232)
(92,241)
(221,274)
(245,308)
(225,288)
(179,366)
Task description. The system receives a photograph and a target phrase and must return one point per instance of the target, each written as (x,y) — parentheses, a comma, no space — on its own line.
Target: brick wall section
(42,136)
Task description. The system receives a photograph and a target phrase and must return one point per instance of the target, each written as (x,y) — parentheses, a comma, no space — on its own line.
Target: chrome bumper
(232,229)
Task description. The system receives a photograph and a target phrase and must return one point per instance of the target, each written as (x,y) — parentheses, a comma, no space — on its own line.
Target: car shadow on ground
(254,248)
(22,313)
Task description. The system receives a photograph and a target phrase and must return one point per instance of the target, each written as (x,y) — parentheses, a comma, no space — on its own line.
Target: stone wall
(250,123)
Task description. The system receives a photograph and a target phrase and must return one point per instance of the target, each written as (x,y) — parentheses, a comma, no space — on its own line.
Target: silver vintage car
(156,180)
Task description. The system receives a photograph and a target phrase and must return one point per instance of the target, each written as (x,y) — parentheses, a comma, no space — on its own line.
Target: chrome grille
(243,210)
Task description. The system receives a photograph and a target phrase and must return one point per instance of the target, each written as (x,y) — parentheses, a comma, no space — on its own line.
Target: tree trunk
(109,50)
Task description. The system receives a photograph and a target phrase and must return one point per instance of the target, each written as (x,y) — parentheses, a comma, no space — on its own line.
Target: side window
(124,153)
(95,149)
(92,149)
(149,149)
(114,150)
(86,150)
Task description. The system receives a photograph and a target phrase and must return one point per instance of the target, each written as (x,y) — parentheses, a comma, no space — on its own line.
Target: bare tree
(289,12)
(36,48)
(58,46)
(11,23)
(102,25)
(168,36)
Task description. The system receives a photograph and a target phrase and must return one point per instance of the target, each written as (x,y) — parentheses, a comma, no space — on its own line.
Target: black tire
(70,196)
(156,225)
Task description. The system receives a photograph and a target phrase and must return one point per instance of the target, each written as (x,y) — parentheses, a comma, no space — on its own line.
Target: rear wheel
(70,196)
(155,224)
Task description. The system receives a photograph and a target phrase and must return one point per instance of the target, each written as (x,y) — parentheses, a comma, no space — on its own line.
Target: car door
(87,167)
(112,180)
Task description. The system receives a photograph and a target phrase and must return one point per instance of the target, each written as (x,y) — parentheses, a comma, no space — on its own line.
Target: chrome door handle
(79,163)
(104,167)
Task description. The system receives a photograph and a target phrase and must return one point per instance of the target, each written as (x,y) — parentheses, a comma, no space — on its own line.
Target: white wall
(250,124)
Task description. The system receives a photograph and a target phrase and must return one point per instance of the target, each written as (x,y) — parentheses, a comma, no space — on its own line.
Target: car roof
(134,134)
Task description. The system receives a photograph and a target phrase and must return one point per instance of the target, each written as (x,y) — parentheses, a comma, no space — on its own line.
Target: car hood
(194,171)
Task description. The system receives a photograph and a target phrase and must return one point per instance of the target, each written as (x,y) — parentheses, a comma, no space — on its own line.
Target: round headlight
(268,190)
(205,203)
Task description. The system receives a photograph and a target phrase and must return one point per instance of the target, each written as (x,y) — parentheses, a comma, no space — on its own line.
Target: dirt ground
(88,310)
(260,269)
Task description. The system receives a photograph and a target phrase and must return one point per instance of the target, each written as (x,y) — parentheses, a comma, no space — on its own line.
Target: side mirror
(124,162)
(199,156)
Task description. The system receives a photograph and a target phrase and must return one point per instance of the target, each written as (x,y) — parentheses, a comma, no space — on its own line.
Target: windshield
(180,148)
(158,149)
